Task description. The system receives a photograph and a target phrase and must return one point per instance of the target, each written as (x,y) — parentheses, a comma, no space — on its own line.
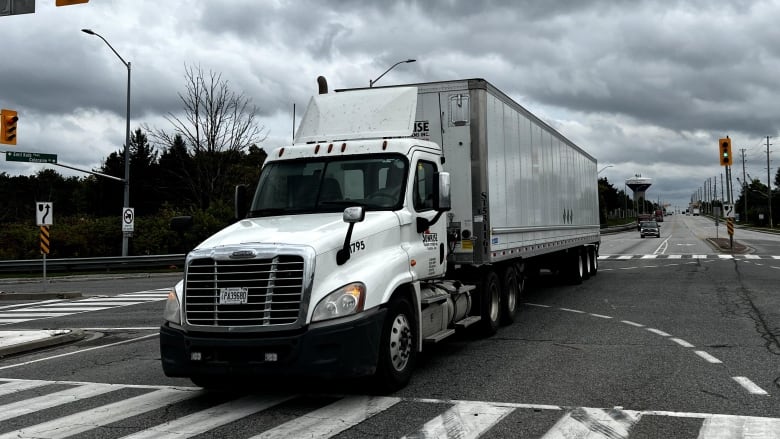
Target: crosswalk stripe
(331,419)
(463,419)
(205,420)
(727,427)
(25,313)
(71,308)
(18,386)
(100,416)
(21,305)
(594,424)
(111,303)
(28,406)
(9,321)
(468,419)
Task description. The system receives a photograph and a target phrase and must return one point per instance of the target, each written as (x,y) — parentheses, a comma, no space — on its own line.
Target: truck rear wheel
(585,255)
(510,293)
(397,349)
(593,268)
(490,302)
(575,267)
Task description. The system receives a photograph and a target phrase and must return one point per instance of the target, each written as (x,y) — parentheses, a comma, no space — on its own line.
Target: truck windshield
(330,185)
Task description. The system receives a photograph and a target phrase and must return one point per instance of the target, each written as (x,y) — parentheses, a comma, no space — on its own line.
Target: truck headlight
(172,311)
(347,300)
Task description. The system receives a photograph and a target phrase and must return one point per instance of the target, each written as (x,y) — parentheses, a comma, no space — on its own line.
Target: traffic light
(8,120)
(69,2)
(725,152)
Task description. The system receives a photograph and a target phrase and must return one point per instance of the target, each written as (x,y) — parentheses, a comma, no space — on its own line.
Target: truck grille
(274,291)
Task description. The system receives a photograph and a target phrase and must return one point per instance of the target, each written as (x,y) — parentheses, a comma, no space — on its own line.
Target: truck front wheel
(397,351)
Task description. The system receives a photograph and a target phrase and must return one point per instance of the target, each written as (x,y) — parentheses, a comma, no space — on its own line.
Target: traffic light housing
(8,119)
(725,151)
(69,2)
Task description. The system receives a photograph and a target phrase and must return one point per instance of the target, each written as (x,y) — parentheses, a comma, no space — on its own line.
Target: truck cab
(322,275)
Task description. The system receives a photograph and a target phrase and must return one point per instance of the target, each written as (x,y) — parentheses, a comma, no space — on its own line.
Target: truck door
(427,249)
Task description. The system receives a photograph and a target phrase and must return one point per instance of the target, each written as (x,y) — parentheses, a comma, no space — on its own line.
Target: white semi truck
(399,216)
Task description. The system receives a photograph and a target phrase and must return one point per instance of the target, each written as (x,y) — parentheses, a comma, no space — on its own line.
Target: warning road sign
(44,213)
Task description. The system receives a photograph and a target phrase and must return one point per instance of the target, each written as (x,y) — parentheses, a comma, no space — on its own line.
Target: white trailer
(399,216)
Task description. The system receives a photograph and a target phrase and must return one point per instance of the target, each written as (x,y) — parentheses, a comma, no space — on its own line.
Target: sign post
(730,223)
(44,217)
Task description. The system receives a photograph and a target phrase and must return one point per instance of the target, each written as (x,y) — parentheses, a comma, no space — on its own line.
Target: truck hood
(323,231)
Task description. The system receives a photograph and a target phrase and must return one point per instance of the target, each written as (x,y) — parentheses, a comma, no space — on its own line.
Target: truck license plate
(233,296)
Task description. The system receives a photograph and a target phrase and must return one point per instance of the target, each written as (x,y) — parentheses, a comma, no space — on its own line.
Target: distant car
(649,228)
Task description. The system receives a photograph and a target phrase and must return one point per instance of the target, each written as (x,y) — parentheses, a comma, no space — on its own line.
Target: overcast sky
(647,87)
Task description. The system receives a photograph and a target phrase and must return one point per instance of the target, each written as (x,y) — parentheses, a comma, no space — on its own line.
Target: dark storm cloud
(646,85)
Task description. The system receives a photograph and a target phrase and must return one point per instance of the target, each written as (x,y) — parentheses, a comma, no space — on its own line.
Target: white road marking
(594,424)
(674,257)
(681,342)
(71,308)
(463,421)
(572,310)
(708,357)
(332,419)
(750,386)
(628,322)
(103,415)
(727,427)
(658,331)
(27,406)
(205,420)
(601,316)
(18,386)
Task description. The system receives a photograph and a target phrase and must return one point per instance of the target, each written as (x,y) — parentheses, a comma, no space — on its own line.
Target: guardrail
(112,263)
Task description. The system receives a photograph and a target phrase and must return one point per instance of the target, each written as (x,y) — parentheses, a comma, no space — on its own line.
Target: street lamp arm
(372,82)
(91,32)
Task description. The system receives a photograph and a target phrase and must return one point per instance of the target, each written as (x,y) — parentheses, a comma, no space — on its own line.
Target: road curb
(43,342)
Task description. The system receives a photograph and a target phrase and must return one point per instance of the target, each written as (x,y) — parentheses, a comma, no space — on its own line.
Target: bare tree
(217,125)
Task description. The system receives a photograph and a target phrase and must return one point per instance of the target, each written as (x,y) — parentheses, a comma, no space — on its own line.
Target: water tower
(639,186)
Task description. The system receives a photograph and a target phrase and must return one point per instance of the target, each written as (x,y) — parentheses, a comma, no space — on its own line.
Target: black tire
(490,302)
(574,267)
(594,261)
(397,348)
(510,295)
(585,255)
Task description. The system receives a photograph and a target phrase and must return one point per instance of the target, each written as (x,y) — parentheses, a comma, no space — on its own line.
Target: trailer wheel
(510,293)
(575,267)
(490,302)
(585,255)
(594,261)
(397,351)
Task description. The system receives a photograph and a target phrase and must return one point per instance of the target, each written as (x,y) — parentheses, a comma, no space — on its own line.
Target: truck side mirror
(239,202)
(442,199)
(352,215)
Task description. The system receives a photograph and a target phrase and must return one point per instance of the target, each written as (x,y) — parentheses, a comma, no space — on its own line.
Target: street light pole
(126,199)
(374,81)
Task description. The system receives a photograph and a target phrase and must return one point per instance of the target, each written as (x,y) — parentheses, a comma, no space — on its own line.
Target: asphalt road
(672,339)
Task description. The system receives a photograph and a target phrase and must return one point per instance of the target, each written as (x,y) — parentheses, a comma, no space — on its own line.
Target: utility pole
(768,184)
(744,185)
